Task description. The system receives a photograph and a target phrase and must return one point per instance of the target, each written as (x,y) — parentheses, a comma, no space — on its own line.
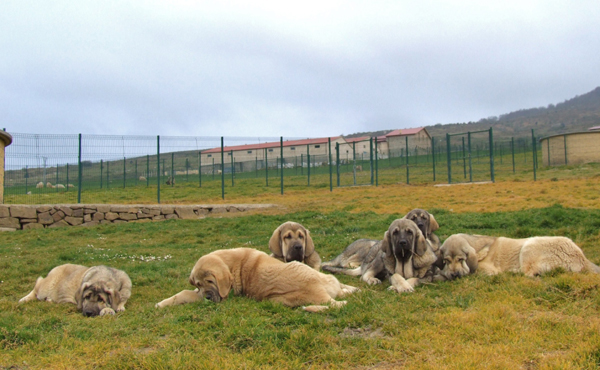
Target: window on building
(317,146)
(293,148)
(249,151)
(270,150)
(208,156)
(229,153)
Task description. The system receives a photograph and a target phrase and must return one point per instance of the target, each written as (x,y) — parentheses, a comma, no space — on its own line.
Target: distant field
(506,321)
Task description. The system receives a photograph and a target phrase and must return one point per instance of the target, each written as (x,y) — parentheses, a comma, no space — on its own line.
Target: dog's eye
(210,281)
(100,299)
(409,231)
(461,260)
(301,236)
(395,232)
(287,237)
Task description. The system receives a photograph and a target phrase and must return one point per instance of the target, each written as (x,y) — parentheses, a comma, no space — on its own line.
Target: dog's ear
(310,246)
(114,298)
(224,279)
(472,260)
(275,242)
(79,294)
(389,259)
(433,225)
(420,246)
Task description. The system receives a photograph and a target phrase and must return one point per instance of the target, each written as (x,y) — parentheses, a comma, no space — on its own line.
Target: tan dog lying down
(97,290)
(292,242)
(254,274)
(464,254)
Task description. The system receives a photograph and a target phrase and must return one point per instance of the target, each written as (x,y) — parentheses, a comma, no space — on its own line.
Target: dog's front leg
(186,296)
(401,285)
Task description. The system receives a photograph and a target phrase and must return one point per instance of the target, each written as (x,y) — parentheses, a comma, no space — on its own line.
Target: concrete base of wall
(23,217)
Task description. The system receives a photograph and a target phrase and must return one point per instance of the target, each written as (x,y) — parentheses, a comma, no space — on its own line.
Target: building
(294,151)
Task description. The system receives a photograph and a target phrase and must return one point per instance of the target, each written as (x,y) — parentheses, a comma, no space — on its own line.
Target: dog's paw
(402,289)
(107,311)
(372,281)
(337,304)
(120,309)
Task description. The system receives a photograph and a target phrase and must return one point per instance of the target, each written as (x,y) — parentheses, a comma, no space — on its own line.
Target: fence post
(266,169)
(512,150)
(27,178)
(107,175)
(448,158)
(308,159)
(565,138)
(354,161)
(407,175)
(548,145)
(330,164)
(213,168)
(492,155)
(301,164)
(376,165)
(533,146)
(147,170)
(371,157)
(337,162)
(232,168)
(101,173)
(433,156)
(56,178)
(464,158)
(79,170)
(124,171)
(281,156)
(200,169)
(67,184)
(406,146)
(172,169)
(222,171)
(157,169)
(137,178)
(470,157)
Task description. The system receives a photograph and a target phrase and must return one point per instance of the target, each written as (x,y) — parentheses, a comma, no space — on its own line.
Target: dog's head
(212,278)
(424,220)
(291,242)
(93,297)
(403,239)
(459,258)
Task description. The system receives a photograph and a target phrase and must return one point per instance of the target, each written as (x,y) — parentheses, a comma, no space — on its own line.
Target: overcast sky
(281,68)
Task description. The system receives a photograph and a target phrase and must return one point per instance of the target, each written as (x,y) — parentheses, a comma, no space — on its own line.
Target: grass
(504,321)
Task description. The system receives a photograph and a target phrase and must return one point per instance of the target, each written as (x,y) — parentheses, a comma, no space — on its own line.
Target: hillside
(576,114)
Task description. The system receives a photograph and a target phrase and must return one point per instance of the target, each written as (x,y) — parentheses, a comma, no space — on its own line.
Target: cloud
(273,68)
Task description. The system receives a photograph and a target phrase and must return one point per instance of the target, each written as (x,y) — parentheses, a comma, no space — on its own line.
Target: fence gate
(354,162)
(470,156)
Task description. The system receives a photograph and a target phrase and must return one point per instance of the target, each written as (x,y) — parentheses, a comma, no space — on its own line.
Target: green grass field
(505,321)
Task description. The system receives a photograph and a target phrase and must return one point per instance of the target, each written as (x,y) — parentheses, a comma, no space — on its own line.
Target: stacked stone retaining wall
(23,217)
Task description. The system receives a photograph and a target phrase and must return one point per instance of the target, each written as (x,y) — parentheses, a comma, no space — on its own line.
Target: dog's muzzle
(296,253)
(403,249)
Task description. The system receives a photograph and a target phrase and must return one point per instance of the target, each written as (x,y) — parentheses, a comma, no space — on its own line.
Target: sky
(281,68)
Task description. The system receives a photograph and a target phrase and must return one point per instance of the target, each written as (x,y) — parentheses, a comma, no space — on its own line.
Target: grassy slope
(506,321)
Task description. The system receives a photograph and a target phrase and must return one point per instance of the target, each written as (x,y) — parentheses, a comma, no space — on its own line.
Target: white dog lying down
(464,254)
(253,273)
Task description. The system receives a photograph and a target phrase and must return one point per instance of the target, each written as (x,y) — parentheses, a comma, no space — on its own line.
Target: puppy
(464,254)
(354,255)
(292,242)
(404,256)
(427,224)
(98,290)
(255,274)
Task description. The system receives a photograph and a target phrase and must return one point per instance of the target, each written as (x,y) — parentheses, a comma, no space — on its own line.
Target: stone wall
(17,217)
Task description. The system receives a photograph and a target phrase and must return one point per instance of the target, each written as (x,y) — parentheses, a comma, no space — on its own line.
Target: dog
(98,290)
(427,224)
(404,256)
(354,255)
(255,274)
(292,242)
(465,254)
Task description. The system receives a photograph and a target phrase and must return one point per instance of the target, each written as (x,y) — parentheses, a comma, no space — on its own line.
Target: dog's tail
(591,267)
(340,270)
